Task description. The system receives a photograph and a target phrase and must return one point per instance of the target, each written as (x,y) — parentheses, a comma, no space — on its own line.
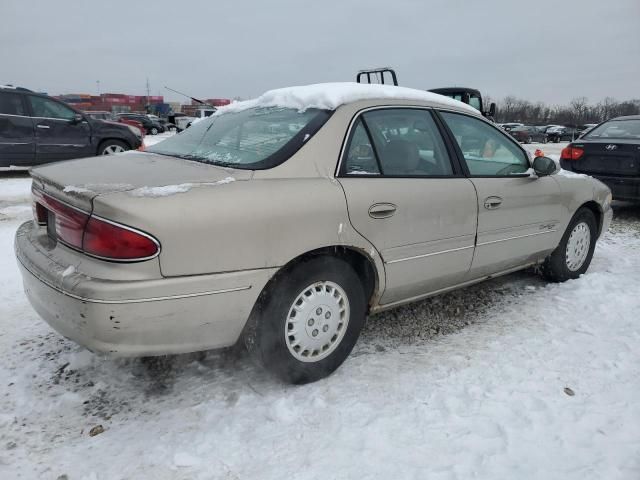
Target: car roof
(330,96)
(627,117)
(11,87)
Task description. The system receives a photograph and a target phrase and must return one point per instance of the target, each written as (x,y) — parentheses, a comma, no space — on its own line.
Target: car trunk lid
(78,182)
(617,158)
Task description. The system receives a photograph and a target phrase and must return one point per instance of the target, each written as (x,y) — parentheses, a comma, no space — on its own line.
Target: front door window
(45,108)
(486,151)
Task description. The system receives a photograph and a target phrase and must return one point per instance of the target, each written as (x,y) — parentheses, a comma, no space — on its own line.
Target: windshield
(616,129)
(474,100)
(255,138)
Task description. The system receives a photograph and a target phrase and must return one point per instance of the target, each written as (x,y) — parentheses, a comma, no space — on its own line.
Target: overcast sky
(548,50)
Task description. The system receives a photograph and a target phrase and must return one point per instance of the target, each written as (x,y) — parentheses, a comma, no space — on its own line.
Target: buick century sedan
(282,222)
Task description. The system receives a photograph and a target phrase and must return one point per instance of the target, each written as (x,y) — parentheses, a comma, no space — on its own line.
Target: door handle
(43,126)
(491,203)
(382,210)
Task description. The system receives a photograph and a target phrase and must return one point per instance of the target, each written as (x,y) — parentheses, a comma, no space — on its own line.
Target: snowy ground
(472,384)
(153,139)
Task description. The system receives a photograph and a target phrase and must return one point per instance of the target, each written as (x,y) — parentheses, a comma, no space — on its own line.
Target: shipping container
(218,102)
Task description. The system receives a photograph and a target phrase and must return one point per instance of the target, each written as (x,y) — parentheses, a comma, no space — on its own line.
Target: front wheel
(154,131)
(111,147)
(573,256)
(308,320)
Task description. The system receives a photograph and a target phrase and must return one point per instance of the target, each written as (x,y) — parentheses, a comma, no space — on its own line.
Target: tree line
(578,112)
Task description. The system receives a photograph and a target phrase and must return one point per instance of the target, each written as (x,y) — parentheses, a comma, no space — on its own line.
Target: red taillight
(571,153)
(108,240)
(92,235)
(69,222)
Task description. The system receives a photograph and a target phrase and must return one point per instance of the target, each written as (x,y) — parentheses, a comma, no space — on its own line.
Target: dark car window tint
(616,129)
(360,157)
(485,149)
(11,104)
(43,107)
(408,143)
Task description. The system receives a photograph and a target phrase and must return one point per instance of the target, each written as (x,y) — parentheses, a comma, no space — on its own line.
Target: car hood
(142,174)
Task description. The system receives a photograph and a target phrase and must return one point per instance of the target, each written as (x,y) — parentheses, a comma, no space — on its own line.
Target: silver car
(284,221)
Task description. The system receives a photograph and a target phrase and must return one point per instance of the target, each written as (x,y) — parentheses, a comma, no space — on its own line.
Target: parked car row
(149,124)
(109,117)
(528,134)
(544,133)
(37,129)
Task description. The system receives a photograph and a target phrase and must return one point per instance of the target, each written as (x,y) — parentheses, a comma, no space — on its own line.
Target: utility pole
(148,95)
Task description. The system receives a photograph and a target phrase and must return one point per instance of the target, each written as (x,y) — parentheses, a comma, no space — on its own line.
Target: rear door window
(361,160)
(397,142)
(11,104)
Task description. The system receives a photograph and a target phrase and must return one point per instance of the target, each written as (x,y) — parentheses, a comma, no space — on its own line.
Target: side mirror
(492,109)
(77,118)
(544,166)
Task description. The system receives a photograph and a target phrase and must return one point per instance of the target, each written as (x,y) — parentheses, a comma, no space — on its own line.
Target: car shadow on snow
(123,388)
(626,217)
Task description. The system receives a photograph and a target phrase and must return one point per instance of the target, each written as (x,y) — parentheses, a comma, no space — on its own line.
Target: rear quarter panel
(241,225)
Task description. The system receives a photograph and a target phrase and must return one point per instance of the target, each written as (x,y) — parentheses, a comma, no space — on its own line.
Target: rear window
(616,129)
(11,104)
(256,138)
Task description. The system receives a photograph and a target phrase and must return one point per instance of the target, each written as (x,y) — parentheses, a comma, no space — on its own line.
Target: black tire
(105,146)
(555,266)
(544,140)
(266,339)
(153,131)
(556,140)
(528,140)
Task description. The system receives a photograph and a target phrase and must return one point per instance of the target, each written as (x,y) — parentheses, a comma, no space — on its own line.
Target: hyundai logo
(611,147)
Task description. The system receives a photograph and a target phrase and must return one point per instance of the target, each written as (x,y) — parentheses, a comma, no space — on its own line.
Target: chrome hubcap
(578,246)
(317,321)
(111,149)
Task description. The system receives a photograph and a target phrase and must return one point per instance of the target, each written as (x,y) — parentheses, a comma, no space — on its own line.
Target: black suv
(36,129)
(151,126)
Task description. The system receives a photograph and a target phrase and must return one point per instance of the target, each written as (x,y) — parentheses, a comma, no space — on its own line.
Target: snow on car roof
(329,96)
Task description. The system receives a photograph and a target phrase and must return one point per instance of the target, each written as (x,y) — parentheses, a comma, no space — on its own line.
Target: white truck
(182,121)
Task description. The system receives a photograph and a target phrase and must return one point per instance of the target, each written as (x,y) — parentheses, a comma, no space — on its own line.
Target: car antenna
(189,96)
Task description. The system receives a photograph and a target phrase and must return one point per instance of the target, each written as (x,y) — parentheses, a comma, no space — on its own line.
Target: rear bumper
(622,188)
(138,317)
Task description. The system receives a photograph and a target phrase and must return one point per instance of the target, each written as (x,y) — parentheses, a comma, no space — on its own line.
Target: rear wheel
(529,140)
(573,256)
(153,131)
(308,320)
(111,147)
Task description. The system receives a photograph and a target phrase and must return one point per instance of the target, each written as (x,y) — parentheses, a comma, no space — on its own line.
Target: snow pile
(567,173)
(329,96)
(168,190)
(74,189)
(97,188)
(15,189)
